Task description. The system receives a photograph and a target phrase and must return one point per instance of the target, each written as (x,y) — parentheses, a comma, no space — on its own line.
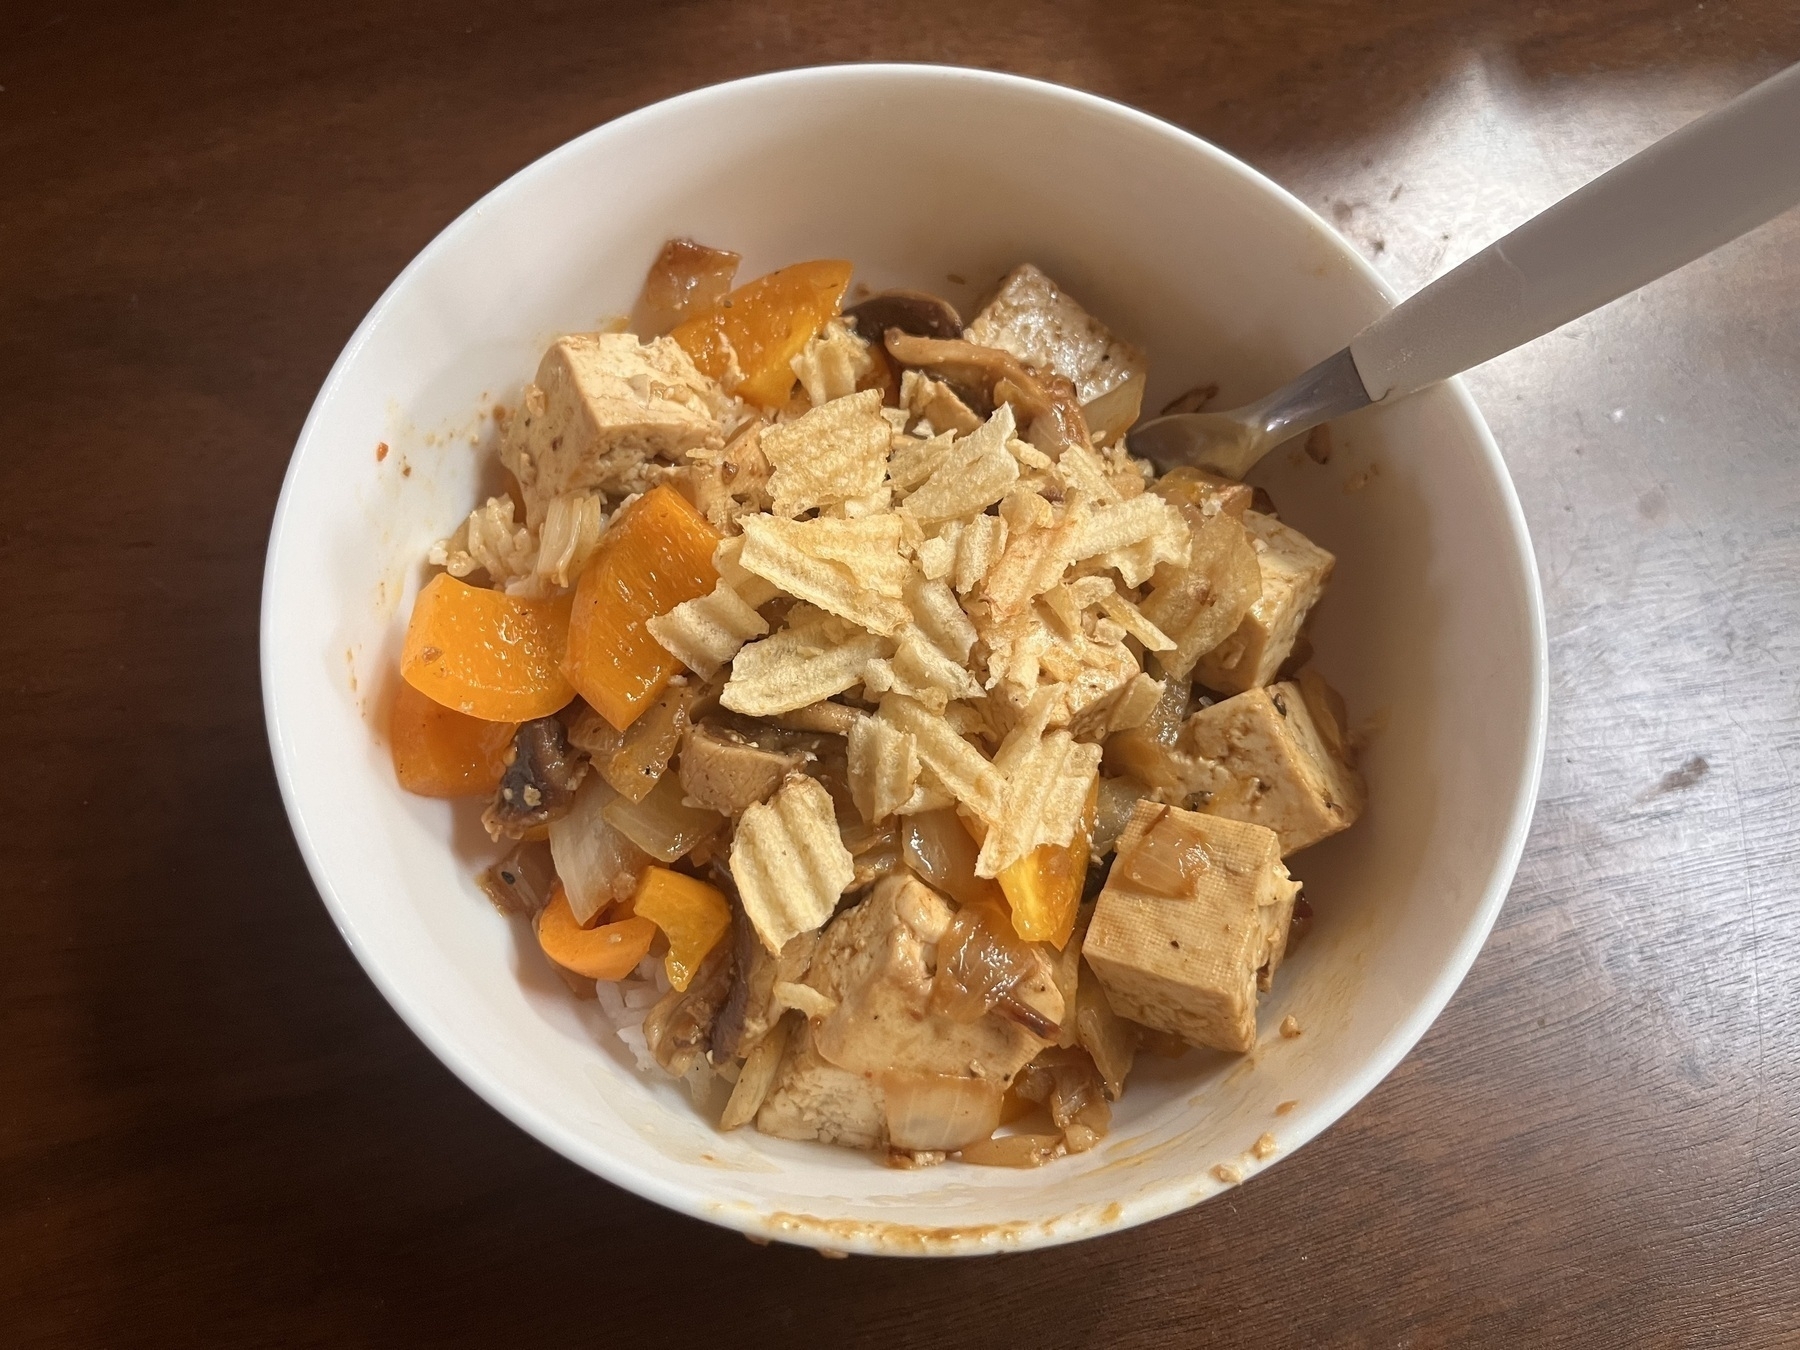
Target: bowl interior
(941,179)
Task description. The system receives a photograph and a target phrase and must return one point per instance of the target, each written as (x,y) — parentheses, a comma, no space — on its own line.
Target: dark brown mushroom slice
(753,977)
(679,1028)
(542,773)
(917,312)
(750,1011)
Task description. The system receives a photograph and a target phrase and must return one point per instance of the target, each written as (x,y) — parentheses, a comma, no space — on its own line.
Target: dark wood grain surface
(213,1131)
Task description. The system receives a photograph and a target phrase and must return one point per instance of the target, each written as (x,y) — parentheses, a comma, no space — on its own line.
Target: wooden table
(213,1131)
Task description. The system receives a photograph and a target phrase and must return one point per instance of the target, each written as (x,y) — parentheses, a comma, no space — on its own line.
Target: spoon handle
(1702,186)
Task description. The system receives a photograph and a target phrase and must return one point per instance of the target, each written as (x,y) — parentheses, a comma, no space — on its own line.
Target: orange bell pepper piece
(657,554)
(485,653)
(439,752)
(1044,887)
(610,951)
(766,322)
(693,915)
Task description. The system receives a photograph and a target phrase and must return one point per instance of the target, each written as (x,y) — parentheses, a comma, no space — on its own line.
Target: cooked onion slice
(598,865)
(939,1111)
(980,960)
(757,1077)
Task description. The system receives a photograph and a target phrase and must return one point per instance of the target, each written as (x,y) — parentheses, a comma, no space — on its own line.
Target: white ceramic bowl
(939,178)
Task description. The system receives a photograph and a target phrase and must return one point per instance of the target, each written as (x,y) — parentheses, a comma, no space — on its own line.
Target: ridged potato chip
(851,568)
(704,634)
(1200,604)
(914,460)
(972,477)
(955,765)
(1048,774)
(789,863)
(831,363)
(1134,537)
(752,589)
(808,661)
(884,767)
(837,452)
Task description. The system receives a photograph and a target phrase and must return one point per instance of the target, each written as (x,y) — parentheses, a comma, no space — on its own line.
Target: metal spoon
(1702,186)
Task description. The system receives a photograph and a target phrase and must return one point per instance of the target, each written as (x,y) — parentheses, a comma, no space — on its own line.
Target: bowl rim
(869,1238)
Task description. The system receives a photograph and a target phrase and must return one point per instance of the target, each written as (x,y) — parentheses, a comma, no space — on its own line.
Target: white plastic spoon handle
(1692,191)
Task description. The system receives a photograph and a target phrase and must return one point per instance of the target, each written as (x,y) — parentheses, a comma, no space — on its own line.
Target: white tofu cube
(1034,319)
(602,404)
(814,1099)
(1268,759)
(1294,573)
(1195,909)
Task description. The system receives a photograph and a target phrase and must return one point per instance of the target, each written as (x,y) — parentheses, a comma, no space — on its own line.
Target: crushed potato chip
(979,544)
(1089,669)
(1127,615)
(1201,604)
(974,475)
(754,591)
(815,656)
(1041,545)
(831,363)
(937,556)
(1082,470)
(1127,706)
(884,767)
(939,617)
(935,404)
(851,568)
(913,460)
(1031,459)
(1133,537)
(705,633)
(1016,645)
(1134,703)
(920,670)
(835,453)
(954,766)
(790,863)
(1048,774)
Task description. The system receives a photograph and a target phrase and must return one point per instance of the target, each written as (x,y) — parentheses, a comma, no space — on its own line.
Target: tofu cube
(1192,921)
(814,1099)
(1294,573)
(601,405)
(1034,319)
(1273,758)
(874,967)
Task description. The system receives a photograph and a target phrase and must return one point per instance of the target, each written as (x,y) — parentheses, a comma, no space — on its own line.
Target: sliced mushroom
(725,773)
(1046,405)
(917,312)
(542,773)
(679,1028)
(750,1010)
